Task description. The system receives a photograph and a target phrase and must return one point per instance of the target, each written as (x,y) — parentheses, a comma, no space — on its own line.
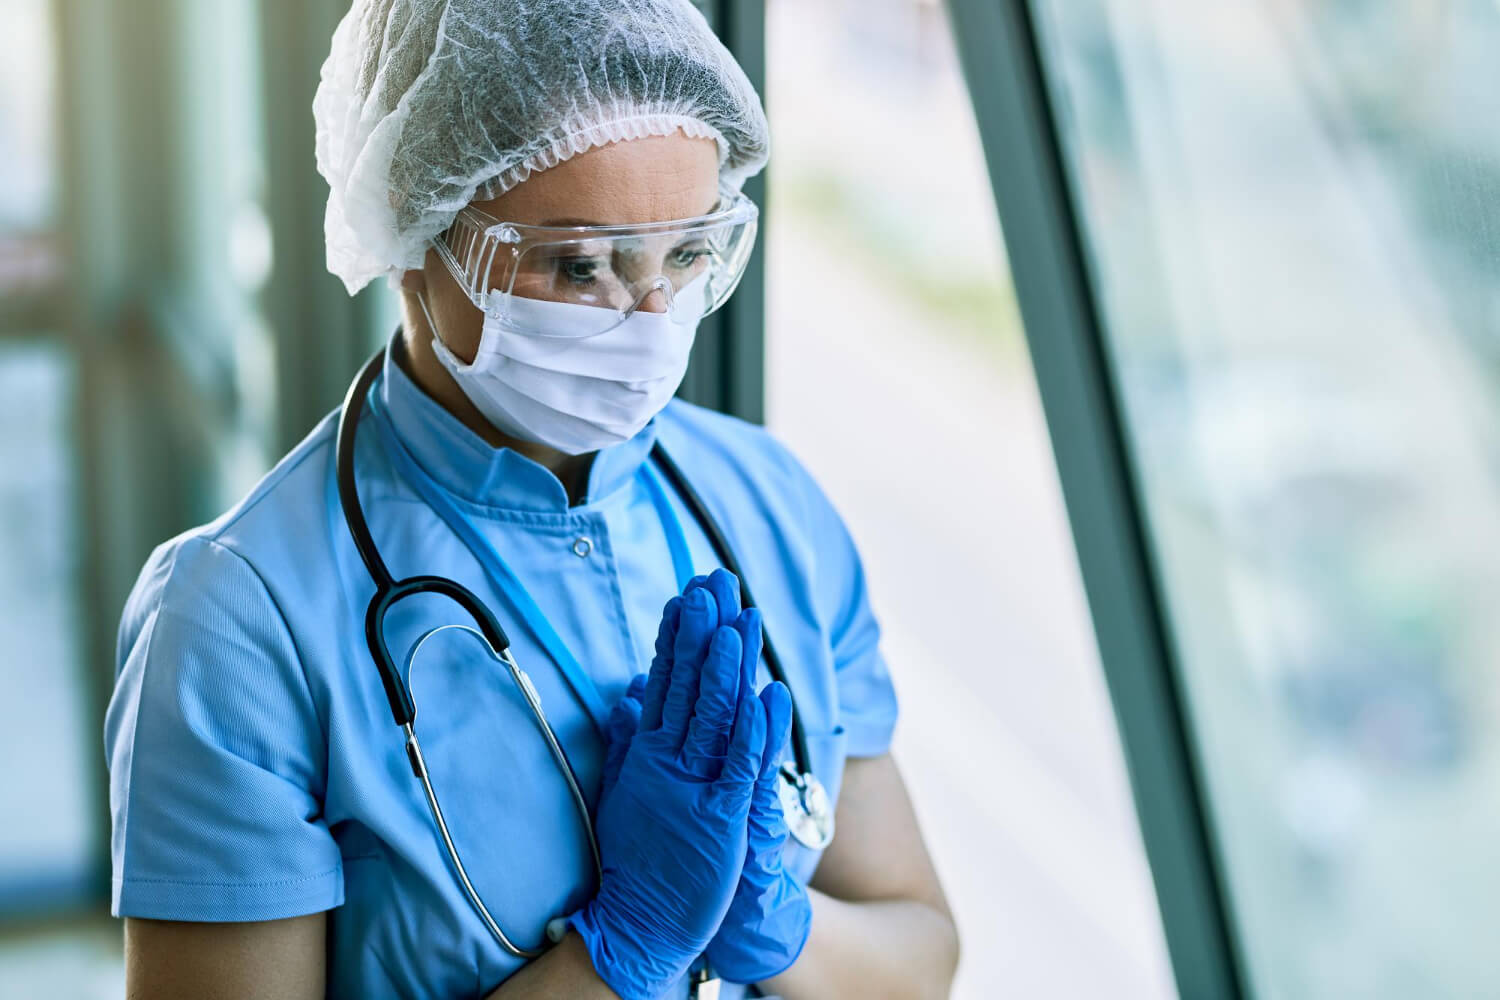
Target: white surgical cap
(426,105)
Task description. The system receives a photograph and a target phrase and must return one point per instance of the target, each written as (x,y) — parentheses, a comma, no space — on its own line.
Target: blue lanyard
(505,579)
(677,543)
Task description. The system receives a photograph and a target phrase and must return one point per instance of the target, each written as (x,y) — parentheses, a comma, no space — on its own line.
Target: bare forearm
(565,971)
(881,950)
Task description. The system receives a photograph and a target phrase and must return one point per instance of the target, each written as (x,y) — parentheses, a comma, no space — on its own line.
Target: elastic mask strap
(431,324)
(442,350)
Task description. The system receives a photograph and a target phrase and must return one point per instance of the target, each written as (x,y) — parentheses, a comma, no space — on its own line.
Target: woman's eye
(686,257)
(578,270)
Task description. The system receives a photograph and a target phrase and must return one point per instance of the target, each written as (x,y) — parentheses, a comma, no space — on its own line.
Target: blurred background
(1290,212)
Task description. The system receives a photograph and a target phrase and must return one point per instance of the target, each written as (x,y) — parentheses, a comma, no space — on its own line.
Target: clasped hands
(689,823)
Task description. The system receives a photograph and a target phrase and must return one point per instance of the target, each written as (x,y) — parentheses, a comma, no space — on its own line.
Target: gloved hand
(625,717)
(770,916)
(672,829)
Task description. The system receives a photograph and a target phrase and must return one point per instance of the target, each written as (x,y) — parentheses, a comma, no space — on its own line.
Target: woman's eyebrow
(568,223)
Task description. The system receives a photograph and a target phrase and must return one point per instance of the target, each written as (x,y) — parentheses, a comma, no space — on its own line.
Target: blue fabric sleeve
(867,698)
(216,757)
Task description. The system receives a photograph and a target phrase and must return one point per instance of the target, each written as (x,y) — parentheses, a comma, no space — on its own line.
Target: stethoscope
(805,803)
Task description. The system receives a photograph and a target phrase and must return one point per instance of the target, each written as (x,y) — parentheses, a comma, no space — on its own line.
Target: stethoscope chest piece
(808,811)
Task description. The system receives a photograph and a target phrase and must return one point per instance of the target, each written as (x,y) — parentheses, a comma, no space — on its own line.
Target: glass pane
(76,961)
(47,853)
(26,110)
(28,255)
(1293,211)
(892,331)
(225,234)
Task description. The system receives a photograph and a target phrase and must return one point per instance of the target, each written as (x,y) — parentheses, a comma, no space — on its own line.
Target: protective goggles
(695,263)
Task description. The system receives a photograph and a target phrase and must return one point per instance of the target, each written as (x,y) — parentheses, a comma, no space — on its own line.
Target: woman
(553,187)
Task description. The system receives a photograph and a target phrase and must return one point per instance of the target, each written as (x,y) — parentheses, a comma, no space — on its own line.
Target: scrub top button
(582,547)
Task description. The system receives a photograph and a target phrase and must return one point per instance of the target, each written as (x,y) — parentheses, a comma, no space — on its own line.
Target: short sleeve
(216,756)
(866,696)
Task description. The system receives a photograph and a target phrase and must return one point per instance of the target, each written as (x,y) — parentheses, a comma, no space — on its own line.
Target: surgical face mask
(571,388)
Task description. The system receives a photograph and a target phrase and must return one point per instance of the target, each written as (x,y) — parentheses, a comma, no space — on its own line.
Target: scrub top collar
(471,469)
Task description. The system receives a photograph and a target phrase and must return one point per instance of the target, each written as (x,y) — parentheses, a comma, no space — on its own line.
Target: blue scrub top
(256,772)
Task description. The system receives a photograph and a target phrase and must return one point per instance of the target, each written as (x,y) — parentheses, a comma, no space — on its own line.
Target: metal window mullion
(728,369)
(1001,59)
(742,25)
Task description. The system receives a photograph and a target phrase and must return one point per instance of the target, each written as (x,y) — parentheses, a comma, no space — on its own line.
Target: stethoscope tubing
(720,544)
(390,591)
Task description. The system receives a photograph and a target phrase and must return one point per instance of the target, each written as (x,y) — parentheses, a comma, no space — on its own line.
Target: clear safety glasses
(694,263)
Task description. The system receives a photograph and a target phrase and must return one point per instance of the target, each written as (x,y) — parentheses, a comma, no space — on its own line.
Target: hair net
(426,105)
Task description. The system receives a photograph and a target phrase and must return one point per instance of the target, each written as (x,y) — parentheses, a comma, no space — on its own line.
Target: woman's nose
(655,301)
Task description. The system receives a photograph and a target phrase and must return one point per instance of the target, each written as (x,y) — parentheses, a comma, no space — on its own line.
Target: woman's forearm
(880,949)
(565,971)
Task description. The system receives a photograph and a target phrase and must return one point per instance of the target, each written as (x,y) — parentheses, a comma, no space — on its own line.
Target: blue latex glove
(672,829)
(770,916)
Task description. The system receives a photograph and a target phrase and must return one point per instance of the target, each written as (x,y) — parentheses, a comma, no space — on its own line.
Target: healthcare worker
(558,765)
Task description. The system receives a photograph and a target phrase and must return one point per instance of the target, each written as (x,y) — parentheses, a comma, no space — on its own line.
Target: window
(28,262)
(49,853)
(49,856)
(1293,218)
(892,330)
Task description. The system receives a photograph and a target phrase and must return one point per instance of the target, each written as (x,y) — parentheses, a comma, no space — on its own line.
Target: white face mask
(570,391)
